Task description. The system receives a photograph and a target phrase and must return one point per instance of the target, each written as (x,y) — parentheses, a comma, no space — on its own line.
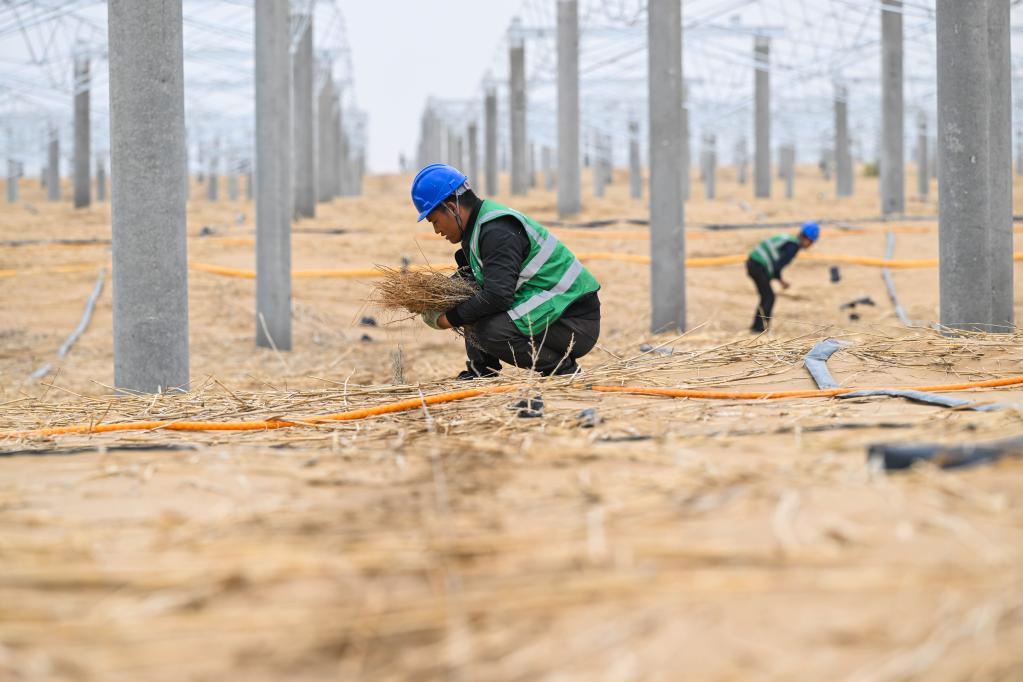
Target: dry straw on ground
(419,291)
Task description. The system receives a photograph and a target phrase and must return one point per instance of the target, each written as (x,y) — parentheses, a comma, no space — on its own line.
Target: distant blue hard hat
(811,231)
(434,184)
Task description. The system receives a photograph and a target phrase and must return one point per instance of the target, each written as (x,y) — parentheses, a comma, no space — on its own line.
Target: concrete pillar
(687,160)
(360,171)
(232,178)
(667,236)
(1019,152)
(490,131)
(82,153)
(599,174)
(569,195)
(213,181)
(339,152)
(843,153)
(325,143)
(762,117)
(975,179)
(474,156)
(304,122)
(609,157)
(53,167)
(547,160)
(708,165)
(517,109)
(450,156)
(101,181)
(742,161)
(532,166)
(635,167)
(347,166)
(147,160)
(12,181)
(923,177)
(273,175)
(893,181)
(788,168)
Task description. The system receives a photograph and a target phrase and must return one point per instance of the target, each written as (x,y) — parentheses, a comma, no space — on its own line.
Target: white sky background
(404,51)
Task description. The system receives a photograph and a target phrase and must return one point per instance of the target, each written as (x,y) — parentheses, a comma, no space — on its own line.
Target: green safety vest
(551,279)
(766,252)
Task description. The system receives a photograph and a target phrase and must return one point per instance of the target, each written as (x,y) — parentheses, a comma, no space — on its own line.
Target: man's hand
(436,319)
(784,284)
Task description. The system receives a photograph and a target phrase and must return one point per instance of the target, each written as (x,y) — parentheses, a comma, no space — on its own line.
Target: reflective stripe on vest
(547,245)
(767,250)
(563,285)
(549,281)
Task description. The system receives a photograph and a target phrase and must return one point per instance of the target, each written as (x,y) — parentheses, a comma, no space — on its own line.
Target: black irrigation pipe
(900,456)
(720,227)
(64,452)
(598,223)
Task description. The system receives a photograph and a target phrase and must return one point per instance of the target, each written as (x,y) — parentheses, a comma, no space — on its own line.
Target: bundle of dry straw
(418,291)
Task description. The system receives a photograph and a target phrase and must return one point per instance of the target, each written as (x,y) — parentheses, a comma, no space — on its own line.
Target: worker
(537,306)
(766,262)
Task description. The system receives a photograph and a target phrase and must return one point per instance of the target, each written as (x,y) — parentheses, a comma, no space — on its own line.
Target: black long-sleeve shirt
(786,252)
(503,250)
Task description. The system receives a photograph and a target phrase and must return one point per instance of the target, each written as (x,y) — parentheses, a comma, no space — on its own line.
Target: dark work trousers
(758,273)
(493,339)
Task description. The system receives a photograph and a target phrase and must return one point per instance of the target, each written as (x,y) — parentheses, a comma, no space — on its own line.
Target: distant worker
(766,262)
(535,297)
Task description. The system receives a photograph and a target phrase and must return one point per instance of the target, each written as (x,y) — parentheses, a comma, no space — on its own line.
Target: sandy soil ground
(677,539)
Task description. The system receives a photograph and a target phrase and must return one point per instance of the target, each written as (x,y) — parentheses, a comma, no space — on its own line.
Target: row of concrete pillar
(149,178)
(975,182)
(341,167)
(569,202)
(984,120)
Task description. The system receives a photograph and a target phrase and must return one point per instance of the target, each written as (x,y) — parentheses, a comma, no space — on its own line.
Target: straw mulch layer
(659,539)
(419,292)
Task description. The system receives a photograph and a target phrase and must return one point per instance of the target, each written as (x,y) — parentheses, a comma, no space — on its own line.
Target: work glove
(464,273)
(430,317)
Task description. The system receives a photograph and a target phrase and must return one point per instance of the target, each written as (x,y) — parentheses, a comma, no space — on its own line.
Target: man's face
(443,222)
(804,242)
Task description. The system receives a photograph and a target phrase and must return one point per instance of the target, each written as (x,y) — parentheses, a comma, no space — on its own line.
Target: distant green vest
(551,279)
(766,252)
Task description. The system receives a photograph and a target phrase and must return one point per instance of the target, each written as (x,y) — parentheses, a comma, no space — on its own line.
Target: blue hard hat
(811,231)
(434,184)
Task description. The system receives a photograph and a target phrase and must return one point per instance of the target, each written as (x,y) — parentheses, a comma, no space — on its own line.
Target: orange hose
(867,260)
(608,255)
(368,273)
(389,408)
(244,273)
(712,261)
(774,395)
(413,403)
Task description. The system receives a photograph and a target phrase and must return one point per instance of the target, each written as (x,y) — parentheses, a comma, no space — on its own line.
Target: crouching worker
(766,262)
(536,307)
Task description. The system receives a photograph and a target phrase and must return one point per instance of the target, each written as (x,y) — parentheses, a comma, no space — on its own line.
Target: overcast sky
(404,51)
